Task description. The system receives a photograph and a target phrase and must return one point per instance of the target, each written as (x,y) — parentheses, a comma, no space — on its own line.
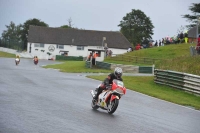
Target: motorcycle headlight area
(118,90)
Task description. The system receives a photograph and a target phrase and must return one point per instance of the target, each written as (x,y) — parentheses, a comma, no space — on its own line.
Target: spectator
(156,44)
(129,49)
(162,41)
(138,47)
(181,38)
(110,53)
(198,45)
(186,40)
(150,44)
(94,58)
(159,43)
(89,56)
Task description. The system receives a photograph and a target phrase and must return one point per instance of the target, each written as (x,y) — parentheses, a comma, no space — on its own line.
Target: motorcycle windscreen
(118,83)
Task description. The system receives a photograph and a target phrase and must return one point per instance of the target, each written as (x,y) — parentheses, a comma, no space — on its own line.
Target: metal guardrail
(73,58)
(184,81)
(126,68)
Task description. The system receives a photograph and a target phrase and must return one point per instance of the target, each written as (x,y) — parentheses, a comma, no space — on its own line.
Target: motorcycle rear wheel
(94,106)
(113,106)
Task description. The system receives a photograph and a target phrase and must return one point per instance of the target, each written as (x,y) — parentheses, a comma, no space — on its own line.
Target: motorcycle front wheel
(113,106)
(94,105)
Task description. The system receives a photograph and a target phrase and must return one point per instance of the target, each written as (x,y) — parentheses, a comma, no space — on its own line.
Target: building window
(60,46)
(39,45)
(80,47)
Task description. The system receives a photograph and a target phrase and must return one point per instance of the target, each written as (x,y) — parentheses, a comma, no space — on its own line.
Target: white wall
(72,51)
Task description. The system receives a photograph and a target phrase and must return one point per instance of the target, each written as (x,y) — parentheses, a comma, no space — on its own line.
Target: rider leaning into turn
(106,83)
(17,57)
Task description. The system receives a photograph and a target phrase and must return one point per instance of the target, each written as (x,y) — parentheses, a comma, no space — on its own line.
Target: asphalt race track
(38,100)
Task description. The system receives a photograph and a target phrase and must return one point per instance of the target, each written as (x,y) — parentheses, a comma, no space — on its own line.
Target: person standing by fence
(94,58)
(89,57)
(198,46)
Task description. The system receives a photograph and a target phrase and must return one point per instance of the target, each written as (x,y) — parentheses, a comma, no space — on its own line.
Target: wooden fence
(134,59)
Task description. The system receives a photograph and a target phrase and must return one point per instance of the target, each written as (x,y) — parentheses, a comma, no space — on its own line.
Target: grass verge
(76,67)
(175,57)
(7,55)
(146,86)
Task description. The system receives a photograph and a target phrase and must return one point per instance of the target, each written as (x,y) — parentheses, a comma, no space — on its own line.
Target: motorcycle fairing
(102,98)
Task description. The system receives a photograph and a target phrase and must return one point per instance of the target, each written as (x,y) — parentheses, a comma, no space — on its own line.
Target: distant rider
(35,59)
(17,57)
(108,81)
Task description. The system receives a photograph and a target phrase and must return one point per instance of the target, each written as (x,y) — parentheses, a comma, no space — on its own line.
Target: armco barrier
(103,65)
(87,64)
(184,81)
(73,58)
(145,69)
(126,68)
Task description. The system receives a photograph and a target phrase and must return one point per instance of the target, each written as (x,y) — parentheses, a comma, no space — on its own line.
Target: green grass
(146,86)
(186,64)
(7,55)
(175,57)
(164,52)
(76,67)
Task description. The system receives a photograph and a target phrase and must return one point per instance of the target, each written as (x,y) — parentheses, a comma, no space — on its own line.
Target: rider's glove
(108,87)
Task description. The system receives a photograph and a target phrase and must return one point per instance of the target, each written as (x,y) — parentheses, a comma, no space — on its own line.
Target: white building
(43,41)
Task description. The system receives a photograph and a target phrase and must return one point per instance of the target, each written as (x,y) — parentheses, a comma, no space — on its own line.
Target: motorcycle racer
(108,81)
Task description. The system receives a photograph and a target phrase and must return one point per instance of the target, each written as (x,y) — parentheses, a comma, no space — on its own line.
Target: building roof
(39,34)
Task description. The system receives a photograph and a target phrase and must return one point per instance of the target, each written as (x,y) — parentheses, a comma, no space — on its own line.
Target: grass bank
(146,86)
(175,57)
(7,55)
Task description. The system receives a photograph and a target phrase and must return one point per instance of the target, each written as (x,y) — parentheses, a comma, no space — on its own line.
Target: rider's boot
(98,91)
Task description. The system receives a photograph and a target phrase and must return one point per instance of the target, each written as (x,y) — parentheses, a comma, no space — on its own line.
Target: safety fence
(12,44)
(183,81)
(133,59)
(126,68)
(99,64)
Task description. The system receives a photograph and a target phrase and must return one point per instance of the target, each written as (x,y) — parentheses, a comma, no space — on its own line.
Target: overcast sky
(103,15)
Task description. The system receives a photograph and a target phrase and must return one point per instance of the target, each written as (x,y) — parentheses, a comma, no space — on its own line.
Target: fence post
(153,69)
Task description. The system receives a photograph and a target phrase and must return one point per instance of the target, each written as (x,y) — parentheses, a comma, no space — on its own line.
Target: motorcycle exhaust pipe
(92,93)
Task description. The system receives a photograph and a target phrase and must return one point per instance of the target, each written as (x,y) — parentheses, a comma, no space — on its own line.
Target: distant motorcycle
(109,99)
(17,61)
(35,62)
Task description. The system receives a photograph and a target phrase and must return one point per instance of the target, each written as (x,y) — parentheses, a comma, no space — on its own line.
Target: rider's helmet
(118,72)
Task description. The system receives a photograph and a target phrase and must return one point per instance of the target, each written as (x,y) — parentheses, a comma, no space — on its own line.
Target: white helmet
(118,72)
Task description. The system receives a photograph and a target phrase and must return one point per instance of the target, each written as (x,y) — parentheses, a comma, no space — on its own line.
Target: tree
(24,32)
(12,32)
(195,9)
(11,36)
(70,22)
(136,26)
(64,26)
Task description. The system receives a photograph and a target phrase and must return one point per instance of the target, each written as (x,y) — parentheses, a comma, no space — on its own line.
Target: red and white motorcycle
(109,99)
(17,61)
